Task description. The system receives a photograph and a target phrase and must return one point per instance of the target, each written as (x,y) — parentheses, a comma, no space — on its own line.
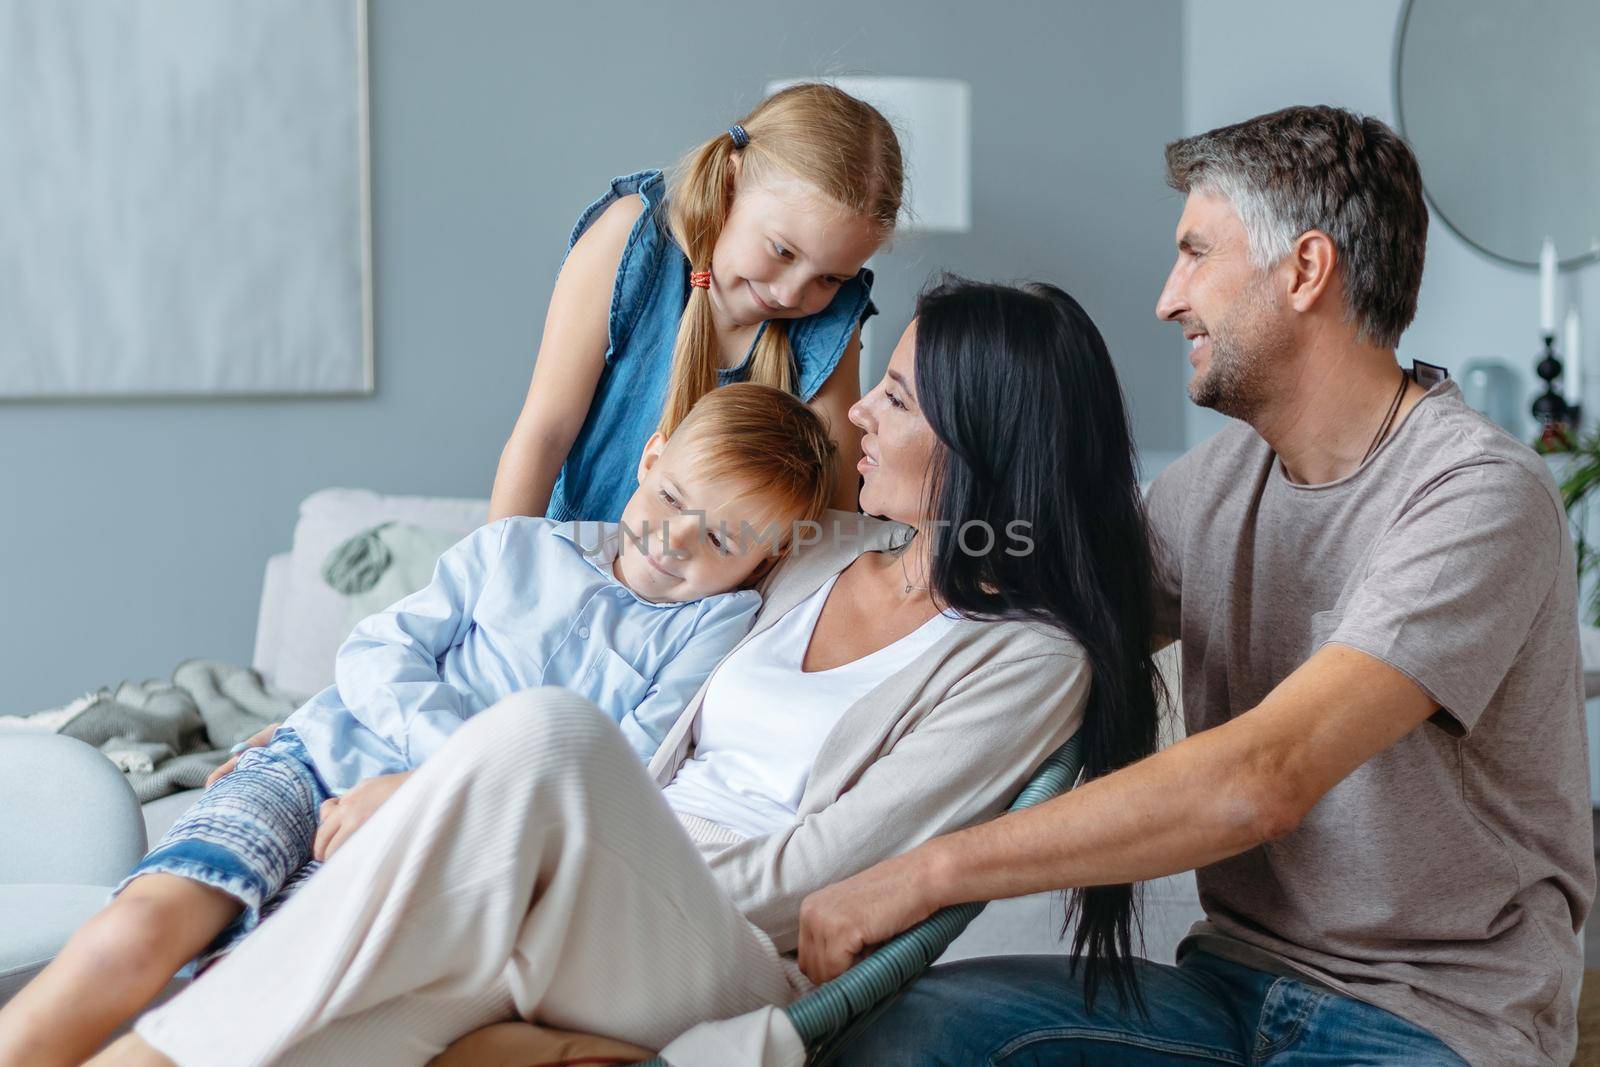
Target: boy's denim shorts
(248,835)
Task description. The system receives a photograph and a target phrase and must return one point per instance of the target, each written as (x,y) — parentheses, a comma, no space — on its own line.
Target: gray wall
(134,533)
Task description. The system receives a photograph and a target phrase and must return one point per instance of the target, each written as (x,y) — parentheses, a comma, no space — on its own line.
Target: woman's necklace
(1388,419)
(909,587)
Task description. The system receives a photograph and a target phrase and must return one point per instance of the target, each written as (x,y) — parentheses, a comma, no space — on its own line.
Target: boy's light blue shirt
(518,603)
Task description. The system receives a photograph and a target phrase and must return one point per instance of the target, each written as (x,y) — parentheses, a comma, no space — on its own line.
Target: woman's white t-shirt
(764,719)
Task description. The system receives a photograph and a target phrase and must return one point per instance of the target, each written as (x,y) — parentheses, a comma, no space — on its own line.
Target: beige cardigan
(943,743)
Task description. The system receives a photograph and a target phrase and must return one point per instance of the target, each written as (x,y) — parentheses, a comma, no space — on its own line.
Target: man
(1385,788)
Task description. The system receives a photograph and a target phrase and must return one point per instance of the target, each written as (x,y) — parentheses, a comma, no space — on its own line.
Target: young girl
(745,266)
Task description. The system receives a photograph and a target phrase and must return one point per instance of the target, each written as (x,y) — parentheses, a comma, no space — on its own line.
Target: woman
(891,689)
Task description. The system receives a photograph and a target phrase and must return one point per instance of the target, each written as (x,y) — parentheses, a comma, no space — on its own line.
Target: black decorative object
(1557,419)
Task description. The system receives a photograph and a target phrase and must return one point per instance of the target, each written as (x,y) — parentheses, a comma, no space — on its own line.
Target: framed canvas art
(186,199)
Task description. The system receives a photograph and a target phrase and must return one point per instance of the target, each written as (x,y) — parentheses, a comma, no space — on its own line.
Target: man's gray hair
(1322,168)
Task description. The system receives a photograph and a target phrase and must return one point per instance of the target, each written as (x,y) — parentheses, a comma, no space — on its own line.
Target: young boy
(633,615)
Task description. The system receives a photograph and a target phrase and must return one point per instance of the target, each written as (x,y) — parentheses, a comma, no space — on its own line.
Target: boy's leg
(211,873)
(111,968)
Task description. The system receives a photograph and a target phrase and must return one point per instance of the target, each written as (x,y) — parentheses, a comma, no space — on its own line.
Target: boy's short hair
(771,445)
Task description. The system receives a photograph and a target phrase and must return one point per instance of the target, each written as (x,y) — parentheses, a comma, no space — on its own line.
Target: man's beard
(1245,347)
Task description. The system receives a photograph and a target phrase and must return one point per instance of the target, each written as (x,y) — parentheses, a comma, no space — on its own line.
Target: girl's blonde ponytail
(699,203)
(812,131)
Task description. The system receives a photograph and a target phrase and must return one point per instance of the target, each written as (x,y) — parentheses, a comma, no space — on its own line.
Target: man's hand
(256,741)
(839,923)
(343,816)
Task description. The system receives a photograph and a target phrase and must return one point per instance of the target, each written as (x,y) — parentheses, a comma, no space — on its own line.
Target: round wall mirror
(1501,103)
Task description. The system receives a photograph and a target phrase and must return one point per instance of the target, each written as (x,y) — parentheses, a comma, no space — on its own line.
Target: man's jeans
(1026,1010)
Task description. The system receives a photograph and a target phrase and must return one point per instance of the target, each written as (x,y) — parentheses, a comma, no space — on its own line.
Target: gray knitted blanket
(167,736)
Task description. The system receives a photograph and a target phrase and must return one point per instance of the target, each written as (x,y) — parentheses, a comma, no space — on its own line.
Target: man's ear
(652,452)
(1314,260)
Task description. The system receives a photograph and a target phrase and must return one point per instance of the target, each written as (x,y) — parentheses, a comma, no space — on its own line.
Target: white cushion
(314,617)
(413,557)
(272,617)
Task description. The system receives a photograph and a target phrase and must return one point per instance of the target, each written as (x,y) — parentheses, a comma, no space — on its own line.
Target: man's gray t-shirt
(1444,880)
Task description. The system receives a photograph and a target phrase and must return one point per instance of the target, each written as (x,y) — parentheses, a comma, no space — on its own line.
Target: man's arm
(1206,798)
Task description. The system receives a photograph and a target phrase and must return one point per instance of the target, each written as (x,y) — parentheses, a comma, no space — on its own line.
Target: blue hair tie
(740,138)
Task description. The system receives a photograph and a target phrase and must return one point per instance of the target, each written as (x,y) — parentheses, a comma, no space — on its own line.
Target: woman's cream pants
(530,869)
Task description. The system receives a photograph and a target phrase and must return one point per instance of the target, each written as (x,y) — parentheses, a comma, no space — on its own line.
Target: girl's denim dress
(647,302)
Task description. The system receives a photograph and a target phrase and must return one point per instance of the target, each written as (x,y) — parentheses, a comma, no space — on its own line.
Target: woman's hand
(839,923)
(343,816)
(256,740)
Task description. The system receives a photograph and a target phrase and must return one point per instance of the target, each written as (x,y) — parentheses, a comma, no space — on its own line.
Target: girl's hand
(839,923)
(343,816)
(255,740)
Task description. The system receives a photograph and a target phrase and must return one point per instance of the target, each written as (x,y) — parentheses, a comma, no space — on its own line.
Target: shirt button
(583,632)
(622,594)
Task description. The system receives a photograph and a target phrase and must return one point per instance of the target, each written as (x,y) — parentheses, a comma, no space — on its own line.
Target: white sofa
(300,624)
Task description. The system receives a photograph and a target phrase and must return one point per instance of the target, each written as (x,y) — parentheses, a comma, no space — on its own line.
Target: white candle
(1572,360)
(1547,288)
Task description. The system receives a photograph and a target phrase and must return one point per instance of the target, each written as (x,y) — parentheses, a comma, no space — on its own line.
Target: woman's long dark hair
(1019,388)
